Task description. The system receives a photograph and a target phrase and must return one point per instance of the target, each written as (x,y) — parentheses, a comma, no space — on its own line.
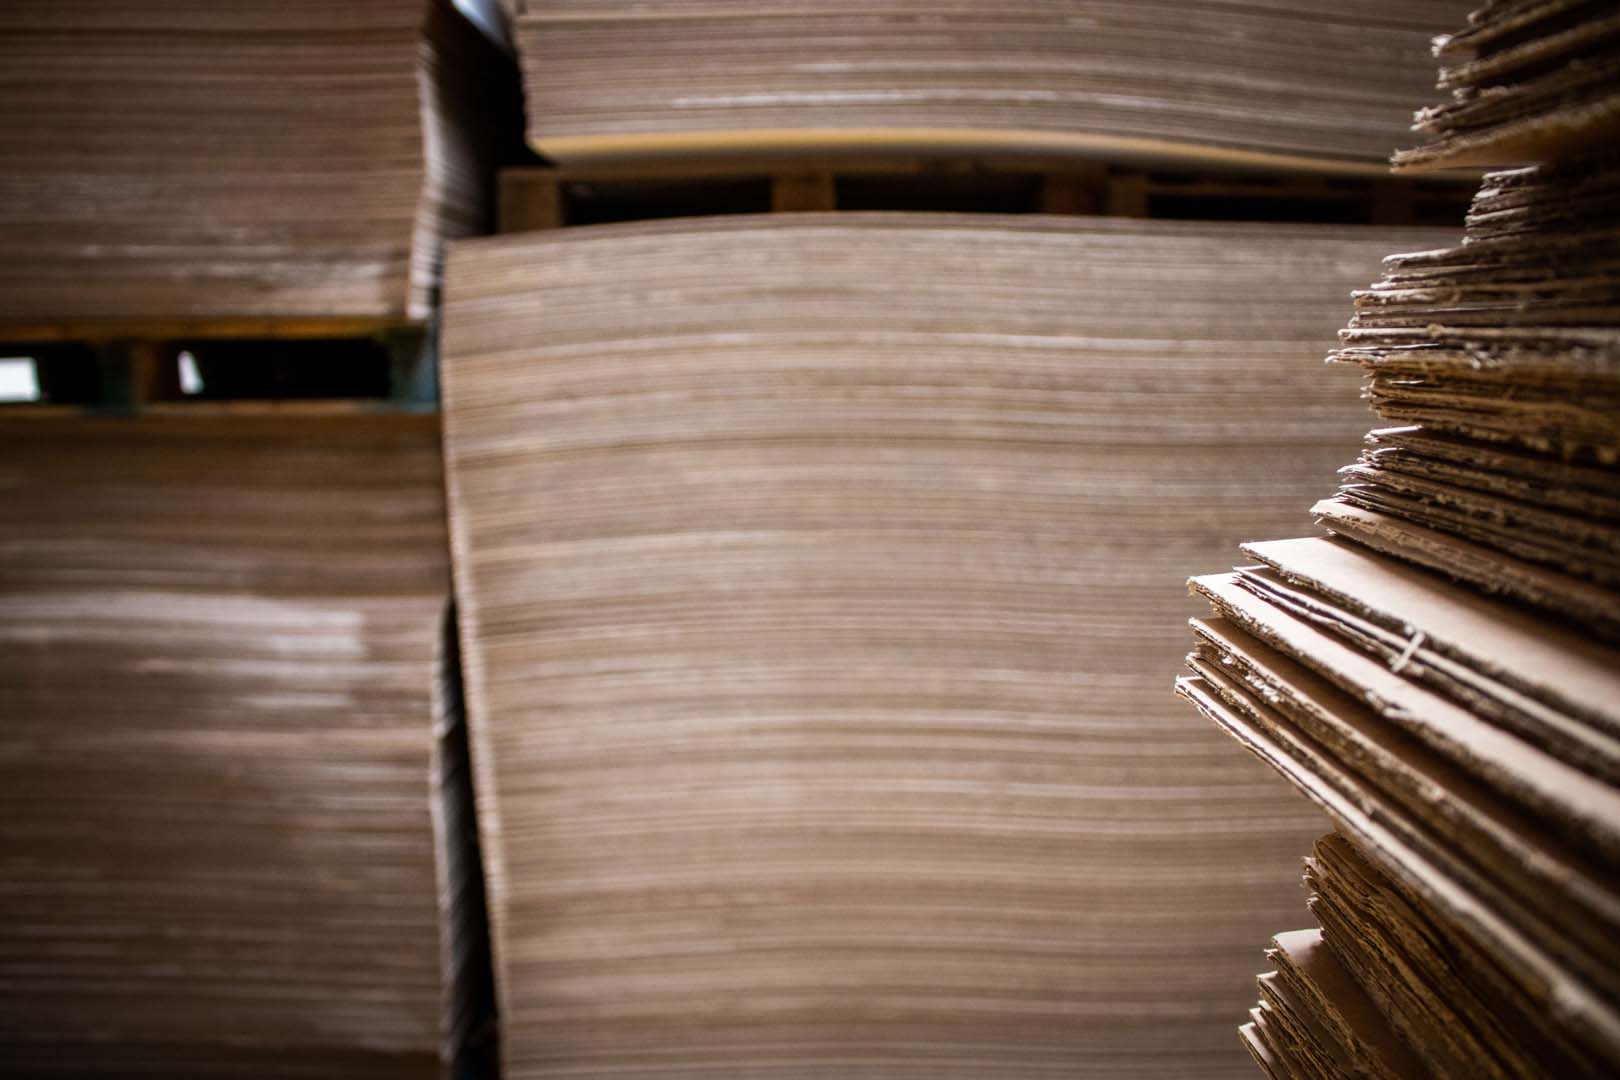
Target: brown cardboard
(1496,23)
(1569,739)
(1539,88)
(1512,336)
(815,582)
(1565,544)
(176,161)
(220,757)
(1236,86)
(1364,819)
(1453,1004)
(1490,571)
(1504,856)
(1289,1057)
(1586,809)
(1507,515)
(1562,687)
(1474,466)
(1269,1063)
(1291,1024)
(1362,1038)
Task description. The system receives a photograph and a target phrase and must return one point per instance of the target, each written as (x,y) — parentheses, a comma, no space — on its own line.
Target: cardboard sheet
(1305,86)
(820,585)
(1430,874)
(229,820)
(1454,1005)
(1532,675)
(1486,569)
(168,160)
(1584,809)
(1361,1040)
(1438,805)
(1528,82)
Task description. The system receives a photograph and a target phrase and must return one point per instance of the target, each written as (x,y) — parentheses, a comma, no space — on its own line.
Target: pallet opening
(279,370)
(982,193)
(1204,207)
(49,375)
(553,196)
(132,375)
(601,202)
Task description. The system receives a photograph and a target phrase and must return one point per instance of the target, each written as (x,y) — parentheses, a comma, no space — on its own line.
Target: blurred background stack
(1314,85)
(221,764)
(1442,675)
(817,561)
(238,836)
(247,159)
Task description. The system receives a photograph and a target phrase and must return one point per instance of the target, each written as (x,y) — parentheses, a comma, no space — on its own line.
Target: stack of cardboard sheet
(1502,355)
(168,158)
(1441,676)
(1314,1019)
(220,768)
(1316,84)
(1391,987)
(1470,748)
(1530,80)
(816,577)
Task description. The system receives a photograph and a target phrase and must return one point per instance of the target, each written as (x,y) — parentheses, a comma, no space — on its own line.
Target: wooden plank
(1127,195)
(154,371)
(803,191)
(530,198)
(172,329)
(538,197)
(268,409)
(1074,192)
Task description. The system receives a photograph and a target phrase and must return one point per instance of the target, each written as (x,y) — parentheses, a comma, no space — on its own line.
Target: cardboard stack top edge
(1530,80)
(173,160)
(1314,1017)
(816,575)
(220,766)
(1442,675)
(1310,86)
(1500,356)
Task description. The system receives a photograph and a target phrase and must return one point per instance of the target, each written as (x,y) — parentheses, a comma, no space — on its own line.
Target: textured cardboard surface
(171,160)
(819,575)
(218,764)
(1454,1005)
(1528,82)
(1549,684)
(1437,880)
(1256,85)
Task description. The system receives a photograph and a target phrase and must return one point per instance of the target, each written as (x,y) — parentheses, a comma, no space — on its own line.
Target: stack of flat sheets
(1391,987)
(1314,85)
(1530,80)
(1501,359)
(817,578)
(231,843)
(170,158)
(1470,748)
(1314,1019)
(1441,675)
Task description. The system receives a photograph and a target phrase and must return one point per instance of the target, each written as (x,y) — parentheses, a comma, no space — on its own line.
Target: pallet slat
(546,197)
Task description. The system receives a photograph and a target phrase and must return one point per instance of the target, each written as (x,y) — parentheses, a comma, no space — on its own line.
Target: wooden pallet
(337,366)
(242,328)
(545,197)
